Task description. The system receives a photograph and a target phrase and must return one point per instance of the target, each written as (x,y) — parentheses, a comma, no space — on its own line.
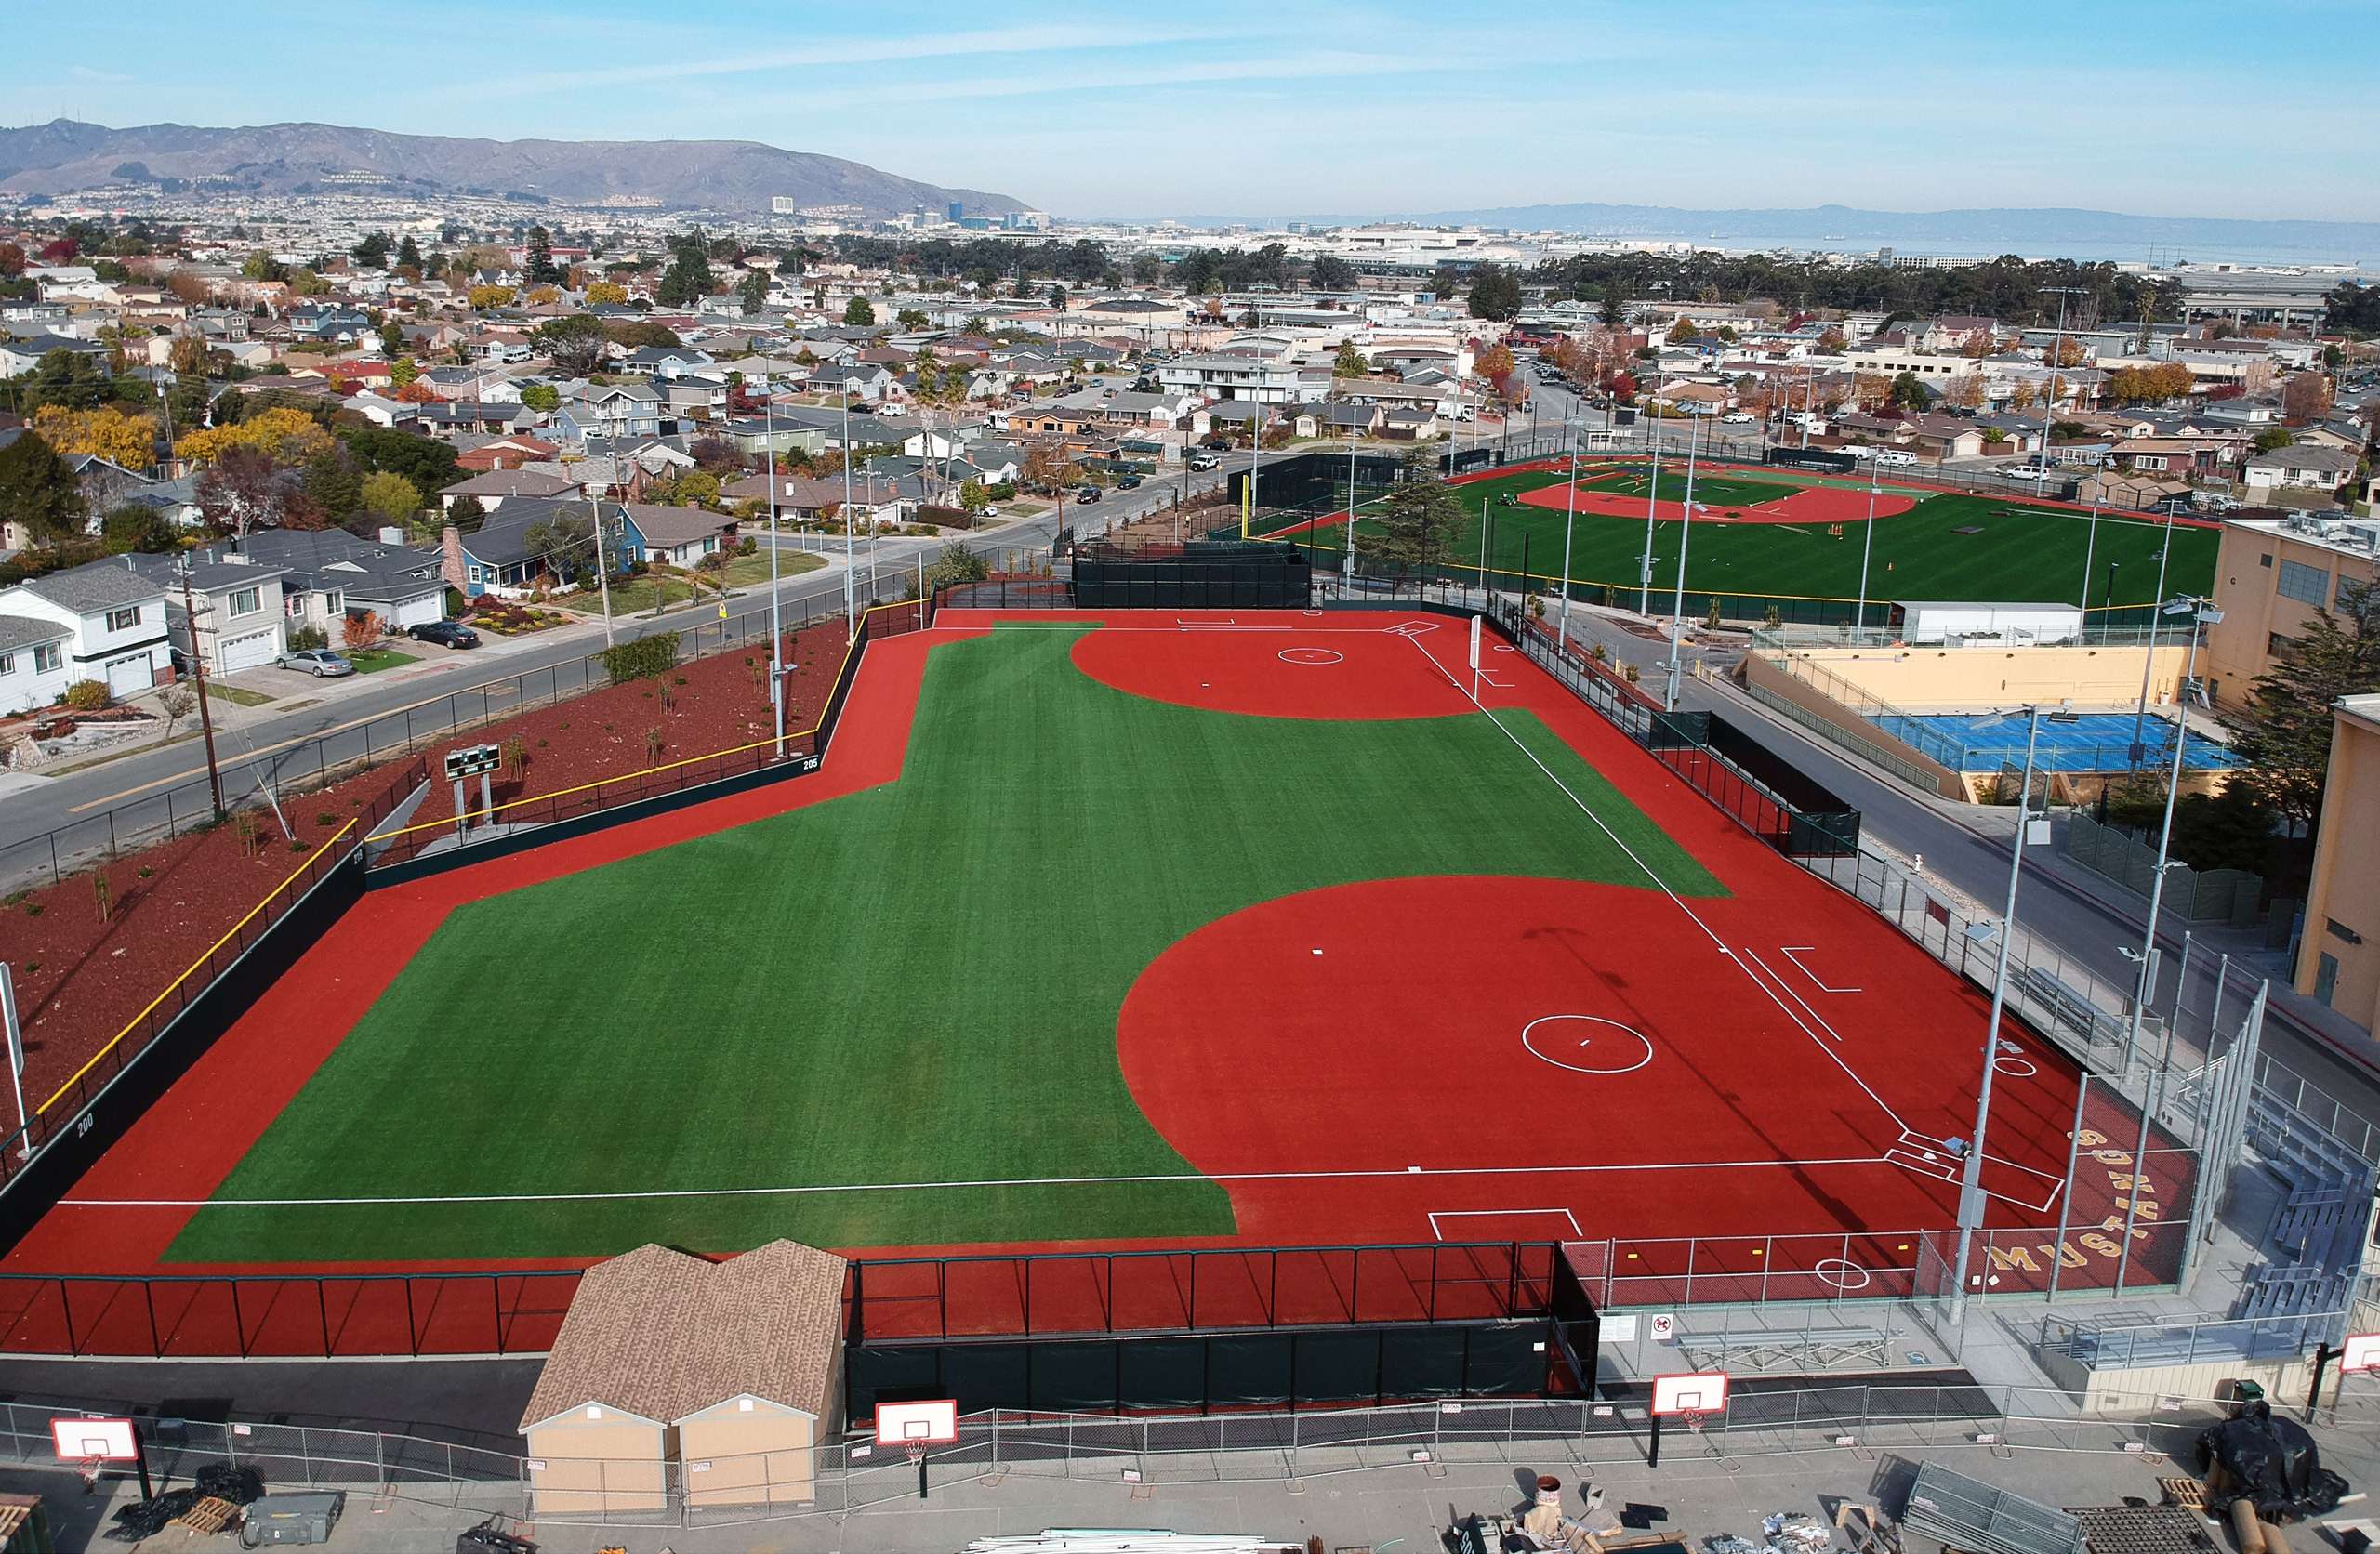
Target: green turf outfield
(2023,553)
(917,983)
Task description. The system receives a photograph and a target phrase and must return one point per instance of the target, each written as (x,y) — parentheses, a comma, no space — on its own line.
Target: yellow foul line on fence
(848,649)
(229,935)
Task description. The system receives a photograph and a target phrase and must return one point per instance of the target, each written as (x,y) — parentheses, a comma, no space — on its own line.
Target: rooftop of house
(96,586)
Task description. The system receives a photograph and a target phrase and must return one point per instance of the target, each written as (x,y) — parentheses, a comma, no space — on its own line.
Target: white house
(115,616)
(2318,467)
(33,661)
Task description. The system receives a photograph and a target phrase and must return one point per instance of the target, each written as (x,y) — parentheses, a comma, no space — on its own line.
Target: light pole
(2090,550)
(1971,1196)
(776,618)
(2149,664)
(1685,534)
(1866,546)
(2202,613)
(851,590)
(1570,527)
(1347,555)
(1644,571)
(2049,387)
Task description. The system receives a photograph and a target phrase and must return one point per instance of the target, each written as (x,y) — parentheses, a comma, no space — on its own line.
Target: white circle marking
(1593,1020)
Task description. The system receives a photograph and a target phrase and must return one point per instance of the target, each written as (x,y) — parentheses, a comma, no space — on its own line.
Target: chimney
(451,568)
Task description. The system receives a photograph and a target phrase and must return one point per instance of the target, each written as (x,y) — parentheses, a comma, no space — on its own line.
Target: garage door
(128,676)
(246,652)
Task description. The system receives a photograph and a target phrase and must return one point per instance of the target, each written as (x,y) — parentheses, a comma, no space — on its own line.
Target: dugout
(1315,483)
(1199,574)
(1827,459)
(673,1369)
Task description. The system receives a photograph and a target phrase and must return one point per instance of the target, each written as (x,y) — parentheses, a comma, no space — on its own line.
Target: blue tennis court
(2094,742)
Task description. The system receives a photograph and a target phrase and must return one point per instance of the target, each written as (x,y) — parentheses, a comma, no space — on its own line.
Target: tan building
(2270,576)
(719,1376)
(2338,961)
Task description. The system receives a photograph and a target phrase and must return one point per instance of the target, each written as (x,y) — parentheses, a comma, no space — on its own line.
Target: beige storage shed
(721,1377)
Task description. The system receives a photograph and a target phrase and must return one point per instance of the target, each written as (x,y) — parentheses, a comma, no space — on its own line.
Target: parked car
(1897,457)
(2033,472)
(444,634)
(1736,418)
(1206,461)
(1088,493)
(321,662)
(1128,483)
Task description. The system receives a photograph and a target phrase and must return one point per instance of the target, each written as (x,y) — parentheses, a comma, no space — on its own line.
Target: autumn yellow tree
(1682,330)
(288,437)
(541,296)
(107,433)
(489,297)
(1966,390)
(607,291)
(2305,396)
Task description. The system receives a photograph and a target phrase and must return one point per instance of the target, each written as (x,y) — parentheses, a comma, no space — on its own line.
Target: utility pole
(602,568)
(198,673)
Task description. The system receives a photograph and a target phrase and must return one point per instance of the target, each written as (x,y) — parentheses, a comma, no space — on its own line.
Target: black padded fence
(1202,575)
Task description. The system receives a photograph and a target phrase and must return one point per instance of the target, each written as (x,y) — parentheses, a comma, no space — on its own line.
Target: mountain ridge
(296,157)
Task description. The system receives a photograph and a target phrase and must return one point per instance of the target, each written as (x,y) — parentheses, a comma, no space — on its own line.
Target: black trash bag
(2268,1460)
(146,1519)
(487,1538)
(221,1480)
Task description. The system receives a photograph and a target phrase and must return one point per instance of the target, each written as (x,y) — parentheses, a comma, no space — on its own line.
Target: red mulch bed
(716,704)
(80,980)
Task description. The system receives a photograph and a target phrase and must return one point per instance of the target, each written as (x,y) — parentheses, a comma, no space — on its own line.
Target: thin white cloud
(1053,39)
(109,77)
(1297,67)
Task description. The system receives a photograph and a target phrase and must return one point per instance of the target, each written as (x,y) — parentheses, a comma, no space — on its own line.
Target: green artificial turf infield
(915,983)
(2023,552)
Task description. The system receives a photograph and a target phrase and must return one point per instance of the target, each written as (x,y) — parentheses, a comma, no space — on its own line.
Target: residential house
(498,486)
(331,321)
(511,451)
(2166,455)
(33,671)
(328,574)
(1942,437)
(240,622)
(1259,380)
(665,363)
(18,357)
(2129,491)
(673,537)
(610,410)
(2317,468)
(115,619)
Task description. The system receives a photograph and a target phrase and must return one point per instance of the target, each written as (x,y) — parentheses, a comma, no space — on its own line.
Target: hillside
(736,177)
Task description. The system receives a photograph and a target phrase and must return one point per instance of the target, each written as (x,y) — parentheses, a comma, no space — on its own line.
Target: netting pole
(2066,1198)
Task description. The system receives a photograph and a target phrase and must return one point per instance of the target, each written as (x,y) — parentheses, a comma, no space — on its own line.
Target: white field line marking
(1658,882)
(1795,994)
(1748,960)
(1399,1172)
(1497,1214)
(1793,952)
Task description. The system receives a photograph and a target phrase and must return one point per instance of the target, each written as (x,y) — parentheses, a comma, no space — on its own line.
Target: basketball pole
(1653,1454)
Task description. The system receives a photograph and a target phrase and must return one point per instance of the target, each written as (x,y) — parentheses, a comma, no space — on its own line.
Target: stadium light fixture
(1971,1194)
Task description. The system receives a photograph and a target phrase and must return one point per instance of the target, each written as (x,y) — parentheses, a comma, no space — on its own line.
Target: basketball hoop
(88,1471)
(1693,1420)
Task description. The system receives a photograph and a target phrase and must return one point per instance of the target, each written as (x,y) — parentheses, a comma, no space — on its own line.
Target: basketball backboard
(2361,1353)
(933,1423)
(1700,1392)
(86,1440)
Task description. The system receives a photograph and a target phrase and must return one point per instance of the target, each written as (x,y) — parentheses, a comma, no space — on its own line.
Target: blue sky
(1232,107)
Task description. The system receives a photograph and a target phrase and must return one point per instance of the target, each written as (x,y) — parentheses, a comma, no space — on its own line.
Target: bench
(2070,1008)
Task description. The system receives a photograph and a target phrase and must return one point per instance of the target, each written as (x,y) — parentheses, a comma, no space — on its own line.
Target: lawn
(743,571)
(238,695)
(933,998)
(371,661)
(2017,551)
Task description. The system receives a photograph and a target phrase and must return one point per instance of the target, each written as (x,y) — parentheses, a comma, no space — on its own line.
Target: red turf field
(1808,504)
(1774,1071)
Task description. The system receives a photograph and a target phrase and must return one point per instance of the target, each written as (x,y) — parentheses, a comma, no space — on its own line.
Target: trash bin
(291,1519)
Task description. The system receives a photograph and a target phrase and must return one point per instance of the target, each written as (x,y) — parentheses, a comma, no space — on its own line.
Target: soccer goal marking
(1571,1219)
(1558,1042)
(1794,952)
(1311,657)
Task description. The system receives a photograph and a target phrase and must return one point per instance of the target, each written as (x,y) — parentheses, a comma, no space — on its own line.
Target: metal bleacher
(2318,1236)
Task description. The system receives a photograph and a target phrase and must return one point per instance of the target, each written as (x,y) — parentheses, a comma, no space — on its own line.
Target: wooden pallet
(209,1516)
(2184,1492)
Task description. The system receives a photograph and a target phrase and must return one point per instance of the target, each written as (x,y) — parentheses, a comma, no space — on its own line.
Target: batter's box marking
(1794,952)
(1410,629)
(1564,1215)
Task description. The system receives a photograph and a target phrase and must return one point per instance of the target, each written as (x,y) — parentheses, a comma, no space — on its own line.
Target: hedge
(646,658)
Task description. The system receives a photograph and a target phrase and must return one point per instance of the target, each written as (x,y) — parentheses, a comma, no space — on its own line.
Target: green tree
(752,291)
(1495,292)
(978,324)
(543,398)
(858,314)
(909,319)
(373,250)
(466,515)
(133,527)
(261,265)
(1906,393)
(687,281)
(1333,273)
(540,268)
(404,370)
(2272,438)
(1418,523)
(408,253)
(1349,363)
(1058,297)
(38,490)
(390,495)
(2285,733)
